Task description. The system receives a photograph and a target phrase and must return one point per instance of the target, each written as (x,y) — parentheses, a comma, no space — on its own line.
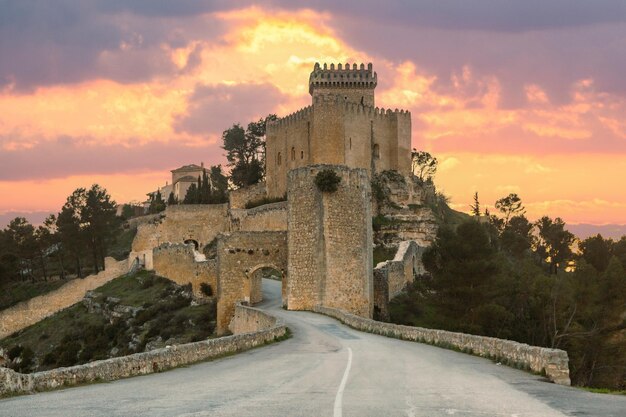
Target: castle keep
(342,126)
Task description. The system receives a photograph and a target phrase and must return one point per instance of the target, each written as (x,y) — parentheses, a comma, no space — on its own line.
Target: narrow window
(350,143)
(301,154)
(279,159)
(376,151)
(293,154)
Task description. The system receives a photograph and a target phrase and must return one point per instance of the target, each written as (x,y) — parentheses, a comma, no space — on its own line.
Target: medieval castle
(321,242)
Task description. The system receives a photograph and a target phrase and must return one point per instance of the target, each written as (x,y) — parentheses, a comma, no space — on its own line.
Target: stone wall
(239,198)
(239,256)
(247,319)
(551,362)
(401,270)
(31,311)
(177,262)
(265,218)
(179,223)
(330,241)
(268,330)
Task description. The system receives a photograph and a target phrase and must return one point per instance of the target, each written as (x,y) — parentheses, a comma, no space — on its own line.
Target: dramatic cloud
(527,96)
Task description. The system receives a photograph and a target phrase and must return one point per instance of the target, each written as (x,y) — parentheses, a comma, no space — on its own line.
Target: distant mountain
(34,217)
(583,231)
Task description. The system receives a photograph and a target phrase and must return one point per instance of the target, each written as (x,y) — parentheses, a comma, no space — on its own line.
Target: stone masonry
(239,256)
(330,241)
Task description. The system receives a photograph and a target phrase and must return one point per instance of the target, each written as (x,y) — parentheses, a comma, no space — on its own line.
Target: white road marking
(342,386)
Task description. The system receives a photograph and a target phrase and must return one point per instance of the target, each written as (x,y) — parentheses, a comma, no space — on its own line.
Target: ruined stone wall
(551,362)
(176,261)
(200,222)
(269,217)
(330,240)
(31,311)
(239,256)
(239,198)
(143,363)
(401,270)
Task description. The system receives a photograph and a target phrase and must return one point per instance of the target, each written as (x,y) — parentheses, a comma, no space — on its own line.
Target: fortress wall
(269,217)
(239,198)
(200,222)
(289,132)
(551,362)
(177,263)
(330,240)
(259,331)
(31,311)
(239,256)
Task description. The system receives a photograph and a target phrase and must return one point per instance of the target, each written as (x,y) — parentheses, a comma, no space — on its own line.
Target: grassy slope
(75,336)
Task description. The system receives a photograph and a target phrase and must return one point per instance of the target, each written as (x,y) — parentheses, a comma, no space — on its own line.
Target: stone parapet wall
(38,308)
(551,362)
(239,198)
(176,261)
(265,218)
(140,363)
(247,319)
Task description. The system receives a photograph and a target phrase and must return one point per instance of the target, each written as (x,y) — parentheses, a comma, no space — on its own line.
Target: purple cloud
(213,108)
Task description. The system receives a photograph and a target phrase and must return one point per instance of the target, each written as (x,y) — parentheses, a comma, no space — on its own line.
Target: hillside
(130,314)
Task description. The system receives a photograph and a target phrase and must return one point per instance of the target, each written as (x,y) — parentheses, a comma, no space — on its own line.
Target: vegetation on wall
(514,279)
(327,181)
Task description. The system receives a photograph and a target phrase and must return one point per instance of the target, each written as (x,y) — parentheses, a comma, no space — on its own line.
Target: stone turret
(354,83)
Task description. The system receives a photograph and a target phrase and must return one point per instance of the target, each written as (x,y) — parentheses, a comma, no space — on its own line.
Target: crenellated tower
(354,83)
(341,127)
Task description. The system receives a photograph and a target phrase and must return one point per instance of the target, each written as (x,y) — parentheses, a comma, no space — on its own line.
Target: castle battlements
(342,76)
(346,105)
(302,114)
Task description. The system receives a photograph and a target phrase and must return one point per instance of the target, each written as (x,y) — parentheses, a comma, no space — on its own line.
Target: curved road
(326,369)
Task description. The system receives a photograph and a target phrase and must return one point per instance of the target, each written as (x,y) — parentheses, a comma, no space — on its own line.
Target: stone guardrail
(553,363)
(269,329)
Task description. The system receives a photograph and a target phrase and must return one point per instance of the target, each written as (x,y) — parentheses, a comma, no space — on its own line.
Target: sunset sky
(511,96)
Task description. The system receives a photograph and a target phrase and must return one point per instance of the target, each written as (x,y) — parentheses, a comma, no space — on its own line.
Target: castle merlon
(342,76)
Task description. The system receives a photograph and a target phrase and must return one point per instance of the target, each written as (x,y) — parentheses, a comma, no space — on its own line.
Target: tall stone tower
(330,242)
(355,85)
(342,126)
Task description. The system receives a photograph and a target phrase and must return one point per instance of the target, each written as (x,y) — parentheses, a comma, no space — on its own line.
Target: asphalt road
(326,369)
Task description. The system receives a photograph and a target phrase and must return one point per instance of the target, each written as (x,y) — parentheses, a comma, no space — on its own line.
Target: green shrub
(327,181)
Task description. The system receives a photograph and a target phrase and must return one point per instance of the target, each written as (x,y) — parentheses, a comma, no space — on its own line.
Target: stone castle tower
(342,127)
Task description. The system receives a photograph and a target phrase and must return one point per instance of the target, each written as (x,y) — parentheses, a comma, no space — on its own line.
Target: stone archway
(239,256)
(195,243)
(253,287)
